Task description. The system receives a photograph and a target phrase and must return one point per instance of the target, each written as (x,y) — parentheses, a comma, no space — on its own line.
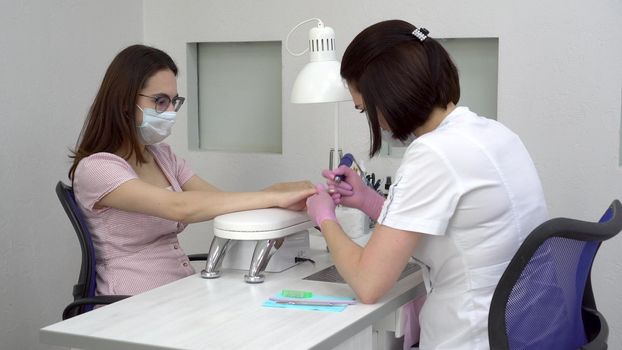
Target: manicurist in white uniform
(464,198)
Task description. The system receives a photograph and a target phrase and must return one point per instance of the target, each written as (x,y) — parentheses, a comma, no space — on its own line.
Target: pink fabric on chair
(410,321)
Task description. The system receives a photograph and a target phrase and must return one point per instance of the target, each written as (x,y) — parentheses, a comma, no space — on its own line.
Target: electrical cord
(319,24)
(301,259)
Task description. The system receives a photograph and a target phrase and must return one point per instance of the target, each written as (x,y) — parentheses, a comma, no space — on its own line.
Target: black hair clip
(421,34)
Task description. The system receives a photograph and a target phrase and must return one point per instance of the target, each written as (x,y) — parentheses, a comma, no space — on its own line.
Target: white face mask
(387,136)
(155,126)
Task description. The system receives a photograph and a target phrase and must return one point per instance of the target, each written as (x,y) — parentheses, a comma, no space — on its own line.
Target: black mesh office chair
(544,299)
(84,298)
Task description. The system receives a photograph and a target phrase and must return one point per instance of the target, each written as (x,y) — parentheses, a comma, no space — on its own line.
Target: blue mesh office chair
(544,299)
(84,291)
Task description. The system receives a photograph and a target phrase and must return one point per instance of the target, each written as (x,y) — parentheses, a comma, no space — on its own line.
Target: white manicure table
(227,313)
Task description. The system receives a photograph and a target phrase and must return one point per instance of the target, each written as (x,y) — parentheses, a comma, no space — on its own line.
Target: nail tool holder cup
(260,240)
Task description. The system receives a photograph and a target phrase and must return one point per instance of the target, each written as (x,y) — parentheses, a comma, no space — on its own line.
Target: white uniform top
(471,189)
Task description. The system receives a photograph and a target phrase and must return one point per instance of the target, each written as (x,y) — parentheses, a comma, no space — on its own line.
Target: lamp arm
(319,23)
(337,156)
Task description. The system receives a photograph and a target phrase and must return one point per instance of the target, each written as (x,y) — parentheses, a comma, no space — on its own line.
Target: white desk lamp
(319,81)
(264,231)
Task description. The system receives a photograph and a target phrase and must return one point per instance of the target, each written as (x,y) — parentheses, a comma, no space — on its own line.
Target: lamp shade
(319,81)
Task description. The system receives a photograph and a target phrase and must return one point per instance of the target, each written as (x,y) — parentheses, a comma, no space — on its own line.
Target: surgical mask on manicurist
(155,126)
(387,136)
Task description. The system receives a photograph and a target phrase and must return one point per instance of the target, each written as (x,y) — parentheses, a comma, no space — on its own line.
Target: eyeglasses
(163,101)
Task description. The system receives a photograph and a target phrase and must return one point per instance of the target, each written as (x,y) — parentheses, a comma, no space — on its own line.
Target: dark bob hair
(400,77)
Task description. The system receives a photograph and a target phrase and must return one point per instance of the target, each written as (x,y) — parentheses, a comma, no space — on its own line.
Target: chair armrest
(596,329)
(96,300)
(197,257)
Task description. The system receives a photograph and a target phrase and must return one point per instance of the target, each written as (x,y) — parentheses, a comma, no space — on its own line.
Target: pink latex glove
(353,192)
(320,206)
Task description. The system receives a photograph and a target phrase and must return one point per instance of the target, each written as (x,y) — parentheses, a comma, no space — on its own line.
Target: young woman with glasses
(135,193)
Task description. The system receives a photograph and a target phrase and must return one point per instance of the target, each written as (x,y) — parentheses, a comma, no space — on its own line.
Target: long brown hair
(111,121)
(400,77)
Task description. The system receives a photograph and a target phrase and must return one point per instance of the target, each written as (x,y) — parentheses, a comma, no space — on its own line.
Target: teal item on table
(300,303)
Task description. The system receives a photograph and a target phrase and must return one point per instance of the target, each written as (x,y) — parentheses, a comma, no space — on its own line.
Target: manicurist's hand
(353,192)
(321,207)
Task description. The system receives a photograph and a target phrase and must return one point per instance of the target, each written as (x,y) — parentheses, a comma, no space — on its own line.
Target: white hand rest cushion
(261,224)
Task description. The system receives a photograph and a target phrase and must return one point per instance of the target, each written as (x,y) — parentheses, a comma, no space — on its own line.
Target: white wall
(559,88)
(52,57)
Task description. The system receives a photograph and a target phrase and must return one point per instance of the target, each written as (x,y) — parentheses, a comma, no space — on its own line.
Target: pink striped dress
(135,252)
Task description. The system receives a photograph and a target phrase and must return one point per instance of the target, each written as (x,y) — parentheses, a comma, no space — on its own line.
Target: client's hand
(321,207)
(353,192)
(291,195)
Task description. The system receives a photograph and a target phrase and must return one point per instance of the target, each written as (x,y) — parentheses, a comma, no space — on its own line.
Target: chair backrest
(542,298)
(86,280)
